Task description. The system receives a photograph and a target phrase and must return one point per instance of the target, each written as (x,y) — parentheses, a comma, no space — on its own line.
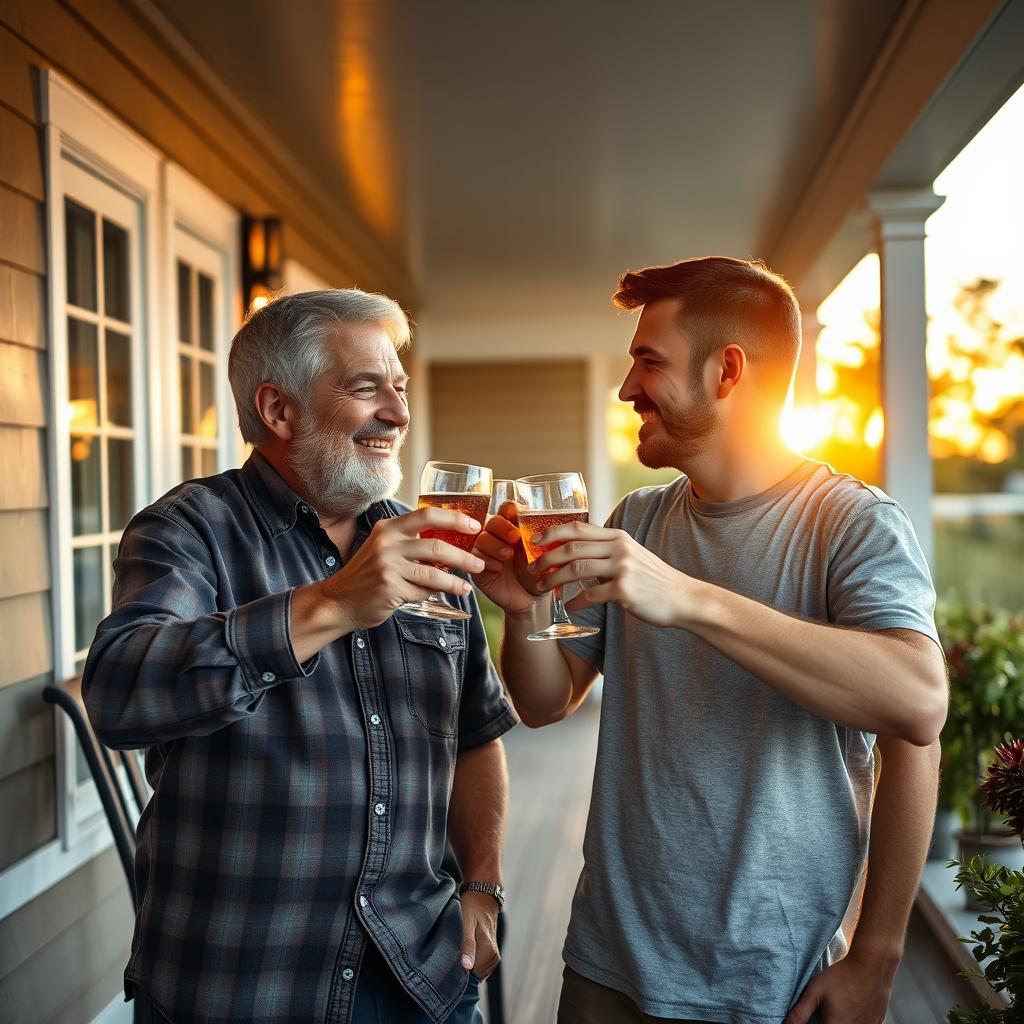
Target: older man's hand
(479,933)
(394,565)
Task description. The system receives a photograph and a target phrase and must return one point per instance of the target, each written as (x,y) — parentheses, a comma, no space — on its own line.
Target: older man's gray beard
(340,483)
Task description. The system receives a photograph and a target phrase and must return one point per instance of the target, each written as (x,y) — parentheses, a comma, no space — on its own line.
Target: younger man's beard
(689,433)
(337,480)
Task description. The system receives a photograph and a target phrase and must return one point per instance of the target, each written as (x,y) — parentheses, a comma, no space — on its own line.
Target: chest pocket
(434,654)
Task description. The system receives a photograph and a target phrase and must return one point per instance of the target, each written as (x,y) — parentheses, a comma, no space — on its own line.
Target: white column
(900,216)
(600,473)
(805,380)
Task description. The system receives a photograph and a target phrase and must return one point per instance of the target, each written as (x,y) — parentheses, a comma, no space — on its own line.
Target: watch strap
(488,887)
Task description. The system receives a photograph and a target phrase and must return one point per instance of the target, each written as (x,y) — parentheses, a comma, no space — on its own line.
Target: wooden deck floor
(551,772)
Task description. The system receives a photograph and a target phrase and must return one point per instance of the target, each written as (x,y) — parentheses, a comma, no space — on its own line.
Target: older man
(308,747)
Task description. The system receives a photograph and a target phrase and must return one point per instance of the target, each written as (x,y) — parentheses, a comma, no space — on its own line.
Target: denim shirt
(296,807)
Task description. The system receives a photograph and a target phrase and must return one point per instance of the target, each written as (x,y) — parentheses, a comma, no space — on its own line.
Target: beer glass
(547,500)
(462,488)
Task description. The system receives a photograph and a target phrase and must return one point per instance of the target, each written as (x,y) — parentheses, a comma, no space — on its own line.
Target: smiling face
(346,440)
(679,417)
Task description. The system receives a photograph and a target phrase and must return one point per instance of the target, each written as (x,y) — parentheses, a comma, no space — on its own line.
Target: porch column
(900,215)
(805,380)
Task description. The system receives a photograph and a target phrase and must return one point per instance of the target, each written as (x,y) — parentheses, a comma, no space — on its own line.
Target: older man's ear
(276,410)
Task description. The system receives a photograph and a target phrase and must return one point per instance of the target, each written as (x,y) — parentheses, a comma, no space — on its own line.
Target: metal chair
(124,793)
(118,775)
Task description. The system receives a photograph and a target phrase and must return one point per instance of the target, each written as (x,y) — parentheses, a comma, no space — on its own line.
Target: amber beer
(472,505)
(534,521)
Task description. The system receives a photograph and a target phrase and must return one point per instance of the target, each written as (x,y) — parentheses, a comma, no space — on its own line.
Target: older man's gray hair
(282,344)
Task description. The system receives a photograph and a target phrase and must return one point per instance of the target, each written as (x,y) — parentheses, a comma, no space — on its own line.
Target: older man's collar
(279,507)
(276,504)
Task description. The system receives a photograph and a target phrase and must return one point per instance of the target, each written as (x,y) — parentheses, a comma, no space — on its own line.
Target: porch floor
(551,772)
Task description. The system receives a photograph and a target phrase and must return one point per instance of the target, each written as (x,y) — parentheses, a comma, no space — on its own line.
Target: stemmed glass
(547,500)
(501,491)
(465,489)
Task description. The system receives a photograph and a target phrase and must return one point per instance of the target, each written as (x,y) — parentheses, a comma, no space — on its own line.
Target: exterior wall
(62,954)
(26,739)
(518,418)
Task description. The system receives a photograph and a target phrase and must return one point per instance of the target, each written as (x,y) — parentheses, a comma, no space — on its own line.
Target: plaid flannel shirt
(296,808)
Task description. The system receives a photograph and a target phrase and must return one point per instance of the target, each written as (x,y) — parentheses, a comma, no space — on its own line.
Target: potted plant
(984,650)
(999,891)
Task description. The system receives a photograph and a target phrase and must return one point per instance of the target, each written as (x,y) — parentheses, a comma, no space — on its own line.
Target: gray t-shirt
(728,826)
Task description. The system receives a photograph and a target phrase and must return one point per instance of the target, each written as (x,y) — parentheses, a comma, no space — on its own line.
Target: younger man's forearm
(536,674)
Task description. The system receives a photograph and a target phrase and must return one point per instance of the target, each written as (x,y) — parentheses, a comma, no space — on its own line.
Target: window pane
(83,373)
(80,242)
(119,467)
(188,416)
(206,312)
(188,470)
(88,576)
(85,485)
(116,297)
(207,402)
(184,302)
(119,379)
(209,461)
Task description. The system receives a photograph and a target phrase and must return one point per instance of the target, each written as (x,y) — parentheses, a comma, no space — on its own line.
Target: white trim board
(31,876)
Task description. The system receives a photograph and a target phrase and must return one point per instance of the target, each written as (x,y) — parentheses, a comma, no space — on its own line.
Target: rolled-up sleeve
(485,713)
(168,662)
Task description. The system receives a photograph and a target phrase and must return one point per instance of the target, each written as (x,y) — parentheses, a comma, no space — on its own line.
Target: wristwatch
(488,887)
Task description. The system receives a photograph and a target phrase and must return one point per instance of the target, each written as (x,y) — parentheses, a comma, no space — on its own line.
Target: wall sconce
(261,260)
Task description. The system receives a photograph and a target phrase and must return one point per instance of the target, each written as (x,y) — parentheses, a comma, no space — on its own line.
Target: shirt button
(268,677)
(330,561)
(348,974)
(360,642)
(363,900)
(441,640)
(304,509)
(379,809)
(375,719)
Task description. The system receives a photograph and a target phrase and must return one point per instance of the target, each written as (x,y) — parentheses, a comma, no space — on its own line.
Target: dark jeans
(380,999)
(586,1002)
(145,1011)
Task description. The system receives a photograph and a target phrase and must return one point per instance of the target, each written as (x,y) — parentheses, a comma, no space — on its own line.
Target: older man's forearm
(477,811)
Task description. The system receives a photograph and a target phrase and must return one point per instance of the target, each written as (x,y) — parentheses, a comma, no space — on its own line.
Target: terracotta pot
(1000,846)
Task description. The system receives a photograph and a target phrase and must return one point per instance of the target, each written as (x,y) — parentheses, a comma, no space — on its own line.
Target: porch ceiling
(525,154)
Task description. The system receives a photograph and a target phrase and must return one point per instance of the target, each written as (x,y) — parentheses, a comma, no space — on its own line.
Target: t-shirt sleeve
(484,711)
(878,577)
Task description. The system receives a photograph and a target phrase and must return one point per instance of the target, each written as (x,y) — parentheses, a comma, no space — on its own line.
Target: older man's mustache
(377,432)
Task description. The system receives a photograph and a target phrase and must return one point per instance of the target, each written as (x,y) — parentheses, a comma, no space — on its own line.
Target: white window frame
(168,202)
(204,231)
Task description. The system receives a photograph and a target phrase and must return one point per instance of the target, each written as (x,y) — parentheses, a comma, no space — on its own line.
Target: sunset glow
(975,302)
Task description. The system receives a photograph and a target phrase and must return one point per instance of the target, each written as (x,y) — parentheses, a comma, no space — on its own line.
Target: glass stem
(558,613)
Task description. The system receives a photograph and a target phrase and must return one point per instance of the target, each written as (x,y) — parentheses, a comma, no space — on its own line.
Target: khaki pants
(585,1002)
